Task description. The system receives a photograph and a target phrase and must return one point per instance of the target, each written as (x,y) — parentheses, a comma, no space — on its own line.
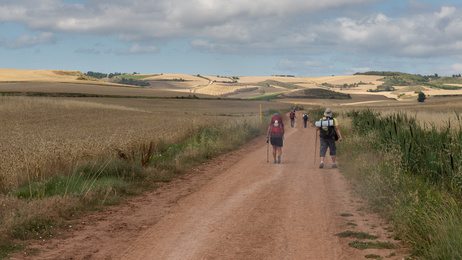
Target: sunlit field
(44,136)
(77,145)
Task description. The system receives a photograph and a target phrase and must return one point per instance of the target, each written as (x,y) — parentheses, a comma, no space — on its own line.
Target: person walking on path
(275,135)
(305,119)
(329,133)
(292,118)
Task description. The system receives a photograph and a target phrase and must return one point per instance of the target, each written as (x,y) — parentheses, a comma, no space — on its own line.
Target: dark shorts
(277,141)
(327,142)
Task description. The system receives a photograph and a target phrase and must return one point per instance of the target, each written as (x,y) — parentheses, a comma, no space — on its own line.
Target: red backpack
(292,115)
(276,129)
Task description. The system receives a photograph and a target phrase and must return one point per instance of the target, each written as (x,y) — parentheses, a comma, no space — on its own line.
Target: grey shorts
(327,142)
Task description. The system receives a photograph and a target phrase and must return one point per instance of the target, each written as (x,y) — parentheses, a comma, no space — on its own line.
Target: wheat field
(46,136)
(20,75)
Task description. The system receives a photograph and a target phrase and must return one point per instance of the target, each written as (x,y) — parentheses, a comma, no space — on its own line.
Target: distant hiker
(275,134)
(329,132)
(292,119)
(305,119)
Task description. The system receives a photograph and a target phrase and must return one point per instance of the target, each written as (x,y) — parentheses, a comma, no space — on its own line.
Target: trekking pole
(315,145)
(267,150)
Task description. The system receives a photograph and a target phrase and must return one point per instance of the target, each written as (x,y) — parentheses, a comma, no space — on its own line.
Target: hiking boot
(334,165)
(275,161)
(279,159)
(321,165)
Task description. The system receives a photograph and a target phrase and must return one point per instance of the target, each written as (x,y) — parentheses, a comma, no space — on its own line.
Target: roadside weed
(407,175)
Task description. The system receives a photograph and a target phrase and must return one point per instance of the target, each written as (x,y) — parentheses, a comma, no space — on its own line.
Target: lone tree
(421,97)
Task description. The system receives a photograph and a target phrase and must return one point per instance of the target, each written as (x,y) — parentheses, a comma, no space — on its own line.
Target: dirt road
(237,207)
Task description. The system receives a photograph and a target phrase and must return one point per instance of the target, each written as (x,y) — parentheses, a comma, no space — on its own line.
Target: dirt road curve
(238,207)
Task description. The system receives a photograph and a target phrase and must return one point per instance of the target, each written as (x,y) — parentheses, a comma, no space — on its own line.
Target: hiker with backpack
(292,118)
(329,133)
(275,135)
(305,119)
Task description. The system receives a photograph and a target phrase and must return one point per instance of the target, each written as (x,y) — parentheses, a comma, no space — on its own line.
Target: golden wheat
(218,90)
(45,136)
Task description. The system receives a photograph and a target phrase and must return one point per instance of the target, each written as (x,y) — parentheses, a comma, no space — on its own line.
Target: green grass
(136,77)
(57,94)
(35,228)
(7,247)
(270,83)
(440,85)
(351,224)
(266,97)
(324,94)
(427,152)
(405,79)
(367,245)
(398,169)
(117,175)
(78,74)
(358,235)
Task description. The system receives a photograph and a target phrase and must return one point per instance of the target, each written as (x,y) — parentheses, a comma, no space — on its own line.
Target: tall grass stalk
(432,154)
(406,177)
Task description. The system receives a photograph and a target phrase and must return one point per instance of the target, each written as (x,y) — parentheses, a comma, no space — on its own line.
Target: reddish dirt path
(237,207)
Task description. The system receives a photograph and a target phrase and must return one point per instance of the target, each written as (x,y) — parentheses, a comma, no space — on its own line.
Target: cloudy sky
(233,37)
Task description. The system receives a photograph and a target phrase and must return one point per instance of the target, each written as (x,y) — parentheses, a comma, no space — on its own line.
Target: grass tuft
(8,246)
(358,235)
(351,224)
(368,245)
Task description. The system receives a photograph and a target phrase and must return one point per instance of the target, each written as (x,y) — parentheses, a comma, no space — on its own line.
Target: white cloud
(87,51)
(285,64)
(162,18)
(28,40)
(201,44)
(456,68)
(446,12)
(301,67)
(313,63)
(422,35)
(137,49)
(242,26)
(363,69)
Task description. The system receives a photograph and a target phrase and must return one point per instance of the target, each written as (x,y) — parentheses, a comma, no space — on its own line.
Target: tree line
(115,79)
(100,75)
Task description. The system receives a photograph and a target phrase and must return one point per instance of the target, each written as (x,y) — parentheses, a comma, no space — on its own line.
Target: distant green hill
(317,93)
(270,83)
(404,79)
